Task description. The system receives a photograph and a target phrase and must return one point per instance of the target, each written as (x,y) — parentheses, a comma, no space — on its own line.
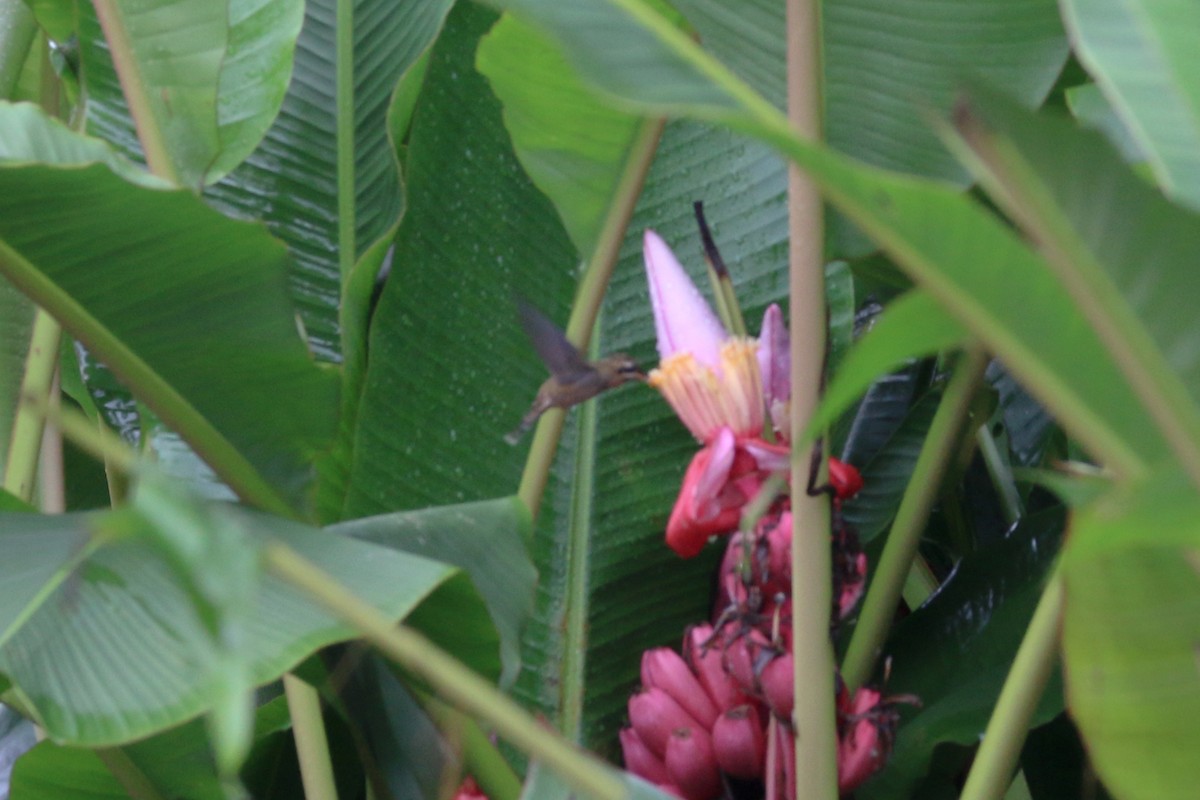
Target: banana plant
(262,265)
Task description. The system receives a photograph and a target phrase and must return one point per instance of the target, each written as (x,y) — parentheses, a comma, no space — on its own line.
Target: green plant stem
(1018,189)
(128,774)
(30,420)
(994,765)
(587,304)
(312,747)
(452,681)
(150,133)
(896,560)
(17,28)
(98,440)
(812,591)
(173,409)
(576,598)
(304,704)
(1001,475)
(52,489)
(481,758)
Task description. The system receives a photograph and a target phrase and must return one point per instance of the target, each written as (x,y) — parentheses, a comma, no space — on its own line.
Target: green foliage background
(231,172)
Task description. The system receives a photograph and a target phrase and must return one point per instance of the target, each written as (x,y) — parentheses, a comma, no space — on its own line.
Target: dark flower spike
(727,303)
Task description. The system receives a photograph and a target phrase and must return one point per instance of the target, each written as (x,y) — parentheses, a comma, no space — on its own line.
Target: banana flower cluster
(727,390)
(722,710)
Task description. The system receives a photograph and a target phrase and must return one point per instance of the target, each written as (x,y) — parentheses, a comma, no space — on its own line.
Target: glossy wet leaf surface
(954,651)
(485,539)
(177,337)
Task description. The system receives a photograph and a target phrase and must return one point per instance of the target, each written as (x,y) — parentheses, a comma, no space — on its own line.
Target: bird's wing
(560,356)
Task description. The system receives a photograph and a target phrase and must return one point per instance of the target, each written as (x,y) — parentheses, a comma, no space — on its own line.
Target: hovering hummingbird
(572,378)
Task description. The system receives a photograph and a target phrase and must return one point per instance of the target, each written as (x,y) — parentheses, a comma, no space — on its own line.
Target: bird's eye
(630,368)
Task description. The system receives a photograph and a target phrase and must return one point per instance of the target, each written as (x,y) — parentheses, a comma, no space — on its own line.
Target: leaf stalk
(895,562)
(451,680)
(812,591)
(312,745)
(587,304)
(30,420)
(995,762)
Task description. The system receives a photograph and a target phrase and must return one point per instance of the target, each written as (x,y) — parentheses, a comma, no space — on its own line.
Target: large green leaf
(573,146)
(209,344)
(172,98)
(907,57)
(451,371)
(203,79)
(1090,107)
(50,770)
(176,762)
(990,281)
(886,474)
(596,568)
(330,194)
(1130,627)
(485,539)
(17,28)
(1125,251)
(1142,54)
(56,17)
(291,180)
(255,72)
(124,647)
(38,557)
(28,136)
(954,652)
(331,190)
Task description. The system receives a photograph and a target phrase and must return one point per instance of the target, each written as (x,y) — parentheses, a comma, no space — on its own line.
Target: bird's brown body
(572,379)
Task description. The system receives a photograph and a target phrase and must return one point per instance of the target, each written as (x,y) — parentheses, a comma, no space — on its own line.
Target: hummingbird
(572,379)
